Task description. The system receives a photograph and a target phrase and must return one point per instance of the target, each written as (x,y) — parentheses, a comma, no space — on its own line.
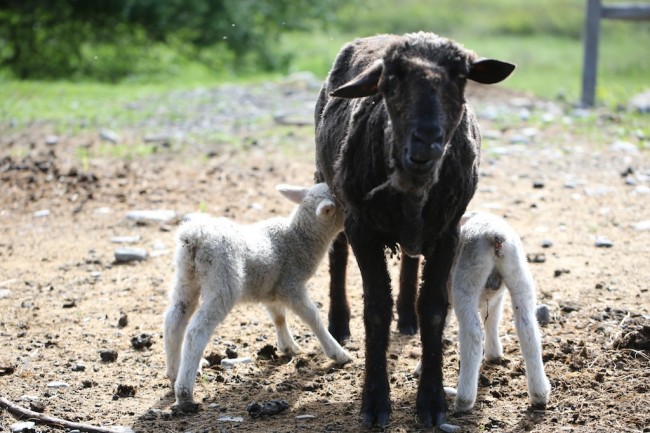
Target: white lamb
(489,259)
(222,262)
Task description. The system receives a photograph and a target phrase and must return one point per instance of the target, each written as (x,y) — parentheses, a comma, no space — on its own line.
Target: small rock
(58,384)
(126,255)
(78,367)
(41,213)
(305,416)
(227,418)
(23,427)
(569,307)
(231,353)
(641,190)
(108,355)
(124,391)
(624,146)
(5,293)
(123,320)
(103,211)
(69,303)
(156,215)
(538,184)
(536,257)
(125,239)
(450,391)
(51,140)
(547,243)
(598,191)
(108,135)
(603,242)
(266,408)
(229,363)
(543,314)
(640,102)
(640,227)
(37,406)
(141,341)
(449,428)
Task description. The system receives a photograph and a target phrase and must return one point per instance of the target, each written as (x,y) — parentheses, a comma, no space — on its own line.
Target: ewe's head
(317,206)
(421,78)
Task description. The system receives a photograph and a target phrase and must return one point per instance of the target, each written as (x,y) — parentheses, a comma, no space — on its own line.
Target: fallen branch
(50,420)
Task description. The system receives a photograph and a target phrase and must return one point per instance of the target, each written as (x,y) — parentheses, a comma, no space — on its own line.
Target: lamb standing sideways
(491,258)
(222,262)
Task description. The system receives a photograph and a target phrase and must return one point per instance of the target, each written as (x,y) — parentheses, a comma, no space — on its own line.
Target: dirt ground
(563,182)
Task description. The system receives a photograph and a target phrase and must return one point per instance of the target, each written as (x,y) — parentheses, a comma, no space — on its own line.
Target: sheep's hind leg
(339,314)
(491,312)
(211,312)
(523,305)
(183,302)
(307,311)
(286,343)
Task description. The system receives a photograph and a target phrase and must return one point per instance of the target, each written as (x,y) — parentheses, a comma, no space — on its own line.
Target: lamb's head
(317,206)
(422,78)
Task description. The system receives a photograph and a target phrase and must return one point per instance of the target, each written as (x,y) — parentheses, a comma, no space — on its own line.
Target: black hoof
(340,333)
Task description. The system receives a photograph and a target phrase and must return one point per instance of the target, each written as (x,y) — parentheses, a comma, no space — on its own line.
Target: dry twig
(50,420)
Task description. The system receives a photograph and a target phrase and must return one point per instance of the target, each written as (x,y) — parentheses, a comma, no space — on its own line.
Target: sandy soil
(64,299)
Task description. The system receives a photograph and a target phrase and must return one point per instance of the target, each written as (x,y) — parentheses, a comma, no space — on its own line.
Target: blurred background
(203,42)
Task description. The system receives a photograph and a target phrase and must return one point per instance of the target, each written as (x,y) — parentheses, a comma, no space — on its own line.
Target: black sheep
(399,147)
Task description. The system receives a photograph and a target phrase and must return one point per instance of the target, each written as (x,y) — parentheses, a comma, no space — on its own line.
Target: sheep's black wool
(399,147)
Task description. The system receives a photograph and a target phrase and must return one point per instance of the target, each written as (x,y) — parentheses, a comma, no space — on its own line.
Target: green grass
(542,38)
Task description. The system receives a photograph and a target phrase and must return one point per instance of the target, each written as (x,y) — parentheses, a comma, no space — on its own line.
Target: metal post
(590,64)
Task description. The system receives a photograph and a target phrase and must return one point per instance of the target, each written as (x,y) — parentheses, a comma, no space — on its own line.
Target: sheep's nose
(427,144)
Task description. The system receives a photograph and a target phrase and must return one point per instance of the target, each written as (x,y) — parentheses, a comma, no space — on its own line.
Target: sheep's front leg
(407,319)
(377,312)
(432,310)
(339,313)
(522,292)
(307,311)
(213,310)
(286,343)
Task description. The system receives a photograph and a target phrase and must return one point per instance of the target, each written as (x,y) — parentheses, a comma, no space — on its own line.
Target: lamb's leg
(184,298)
(491,309)
(339,314)
(213,310)
(466,295)
(286,343)
(407,319)
(377,315)
(522,291)
(307,311)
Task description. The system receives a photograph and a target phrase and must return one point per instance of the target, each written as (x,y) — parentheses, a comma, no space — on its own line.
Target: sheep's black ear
(364,84)
(490,71)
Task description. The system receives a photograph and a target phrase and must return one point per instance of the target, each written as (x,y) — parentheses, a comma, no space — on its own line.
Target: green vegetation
(153,46)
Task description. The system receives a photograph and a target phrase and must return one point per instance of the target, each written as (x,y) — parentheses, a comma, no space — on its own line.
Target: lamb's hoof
(185,407)
(462,406)
(342,359)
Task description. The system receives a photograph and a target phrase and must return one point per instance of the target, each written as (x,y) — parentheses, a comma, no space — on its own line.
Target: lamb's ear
(293,193)
(490,71)
(325,208)
(364,84)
